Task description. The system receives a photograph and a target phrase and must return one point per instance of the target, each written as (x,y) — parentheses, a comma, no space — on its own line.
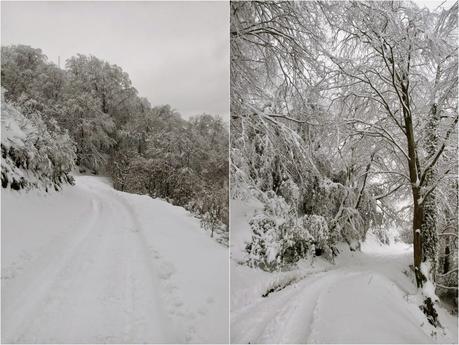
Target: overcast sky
(176,53)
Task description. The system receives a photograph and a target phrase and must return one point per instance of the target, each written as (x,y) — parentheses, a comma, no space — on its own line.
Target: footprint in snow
(191,332)
(166,270)
(155,252)
(171,287)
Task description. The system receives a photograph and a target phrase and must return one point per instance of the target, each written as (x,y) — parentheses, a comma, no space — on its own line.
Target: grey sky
(176,53)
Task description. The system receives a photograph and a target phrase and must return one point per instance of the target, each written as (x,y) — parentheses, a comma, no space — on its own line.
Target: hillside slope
(91,264)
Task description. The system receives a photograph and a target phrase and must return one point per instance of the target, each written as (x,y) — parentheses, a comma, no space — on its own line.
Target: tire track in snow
(163,272)
(98,291)
(143,310)
(55,319)
(102,282)
(312,337)
(301,310)
(278,313)
(183,318)
(155,274)
(35,281)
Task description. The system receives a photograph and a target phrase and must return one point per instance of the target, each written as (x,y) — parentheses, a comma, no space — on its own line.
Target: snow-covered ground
(365,297)
(94,265)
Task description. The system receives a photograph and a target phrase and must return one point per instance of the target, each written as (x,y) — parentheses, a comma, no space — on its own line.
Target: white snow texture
(365,297)
(90,264)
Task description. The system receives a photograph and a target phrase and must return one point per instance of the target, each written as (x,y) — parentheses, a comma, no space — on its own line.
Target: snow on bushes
(182,161)
(336,202)
(277,241)
(324,197)
(180,186)
(290,192)
(265,246)
(317,228)
(145,149)
(298,222)
(308,208)
(280,238)
(33,156)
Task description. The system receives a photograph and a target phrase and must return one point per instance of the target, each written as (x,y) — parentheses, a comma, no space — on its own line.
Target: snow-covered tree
(33,156)
(404,63)
(282,135)
(147,150)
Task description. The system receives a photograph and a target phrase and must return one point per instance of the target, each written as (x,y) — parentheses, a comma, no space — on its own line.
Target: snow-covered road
(94,265)
(365,298)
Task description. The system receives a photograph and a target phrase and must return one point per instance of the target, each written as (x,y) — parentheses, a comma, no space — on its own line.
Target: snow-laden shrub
(213,207)
(161,178)
(210,221)
(312,203)
(328,216)
(350,227)
(382,235)
(146,176)
(279,239)
(290,192)
(265,246)
(324,197)
(184,185)
(317,228)
(296,243)
(312,219)
(268,239)
(277,243)
(32,154)
(277,206)
(336,203)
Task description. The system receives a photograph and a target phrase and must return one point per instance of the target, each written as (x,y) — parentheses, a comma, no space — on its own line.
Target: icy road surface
(94,265)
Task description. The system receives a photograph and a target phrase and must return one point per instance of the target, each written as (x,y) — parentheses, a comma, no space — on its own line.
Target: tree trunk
(446,262)
(104,104)
(429,222)
(418,216)
(418,211)
(367,170)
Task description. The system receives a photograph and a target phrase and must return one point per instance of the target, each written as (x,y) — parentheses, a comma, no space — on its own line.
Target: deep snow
(365,297)
(94,265)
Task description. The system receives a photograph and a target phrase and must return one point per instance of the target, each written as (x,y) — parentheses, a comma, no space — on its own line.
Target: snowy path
(93,265)
(364,298)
